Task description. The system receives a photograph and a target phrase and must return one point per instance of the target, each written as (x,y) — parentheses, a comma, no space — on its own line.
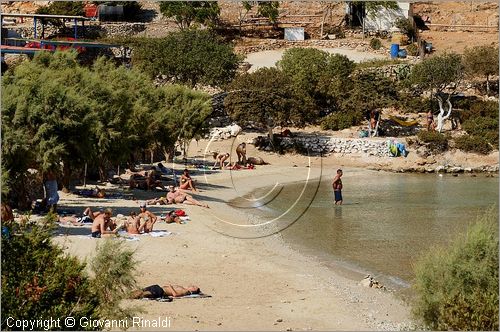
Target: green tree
(268,98)
(457,285)
(436,74)
(187,57)
(46,113)
(181,118)
(311,69)
(185,13)
(481,61)
(354,98)
(72,8)
(56,111)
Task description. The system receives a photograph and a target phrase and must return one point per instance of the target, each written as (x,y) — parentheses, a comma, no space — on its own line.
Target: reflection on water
(387,220)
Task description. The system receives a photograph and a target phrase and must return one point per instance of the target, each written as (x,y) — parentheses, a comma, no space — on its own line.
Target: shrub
(472,143)
(341,120)
(412,49)
(457,286)
(476,109)
(483,128)
(375,43)
(40,280)
(434,140)
(416,104)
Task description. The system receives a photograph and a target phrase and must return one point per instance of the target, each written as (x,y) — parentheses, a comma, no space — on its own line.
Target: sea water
(387,220)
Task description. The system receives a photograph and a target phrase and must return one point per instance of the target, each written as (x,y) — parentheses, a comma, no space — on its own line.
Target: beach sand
(255,284)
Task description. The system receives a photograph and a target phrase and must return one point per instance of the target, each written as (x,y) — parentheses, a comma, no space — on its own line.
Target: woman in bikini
(187,182)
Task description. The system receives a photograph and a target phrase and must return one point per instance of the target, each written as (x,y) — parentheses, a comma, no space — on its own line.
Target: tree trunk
(325,13)
(441,117)
(271,137)
(66,179)
(487,85)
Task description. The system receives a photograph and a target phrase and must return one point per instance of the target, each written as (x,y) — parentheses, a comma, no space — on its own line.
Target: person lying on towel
(155,291)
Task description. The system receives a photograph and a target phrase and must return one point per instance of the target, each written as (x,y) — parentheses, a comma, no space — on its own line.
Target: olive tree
(268,98)
(185,13)
(186,57)
(436,74)
(481,61)
(310,70)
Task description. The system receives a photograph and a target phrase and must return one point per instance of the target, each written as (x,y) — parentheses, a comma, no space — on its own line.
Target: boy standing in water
(337,187)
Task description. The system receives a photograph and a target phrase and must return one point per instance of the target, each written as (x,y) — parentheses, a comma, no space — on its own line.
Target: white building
(383,19)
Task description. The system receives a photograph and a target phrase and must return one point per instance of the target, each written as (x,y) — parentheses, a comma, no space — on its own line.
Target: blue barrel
(402,54)
(394,50)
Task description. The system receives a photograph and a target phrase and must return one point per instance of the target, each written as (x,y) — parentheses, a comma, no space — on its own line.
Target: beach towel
(180,213)
(158,233)
(193,296)
(159,299)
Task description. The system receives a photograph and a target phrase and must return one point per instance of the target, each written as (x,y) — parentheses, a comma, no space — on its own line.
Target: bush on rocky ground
(435,141)
(341,120)
(472,143)
(375,43)
(412,49)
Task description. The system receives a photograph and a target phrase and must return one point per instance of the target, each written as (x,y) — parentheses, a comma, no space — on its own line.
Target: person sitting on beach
(146,219)
(241,151)
(220,159)
(103,225)
(177,196)
(132,224)
(186,181)
(156,292)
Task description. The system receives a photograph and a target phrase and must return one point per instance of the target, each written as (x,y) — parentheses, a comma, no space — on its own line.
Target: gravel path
(269,58)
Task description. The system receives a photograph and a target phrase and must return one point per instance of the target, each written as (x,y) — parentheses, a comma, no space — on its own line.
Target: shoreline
(256,284)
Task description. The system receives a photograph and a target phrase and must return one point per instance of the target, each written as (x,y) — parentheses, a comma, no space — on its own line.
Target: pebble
(279,320)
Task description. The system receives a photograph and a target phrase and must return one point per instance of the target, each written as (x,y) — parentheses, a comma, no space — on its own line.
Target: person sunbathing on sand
(172,217)
(177,196)
(87,217)
(155,291)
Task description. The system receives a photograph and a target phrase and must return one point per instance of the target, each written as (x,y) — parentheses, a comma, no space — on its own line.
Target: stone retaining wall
(91,31)
(275,44)
(327,145)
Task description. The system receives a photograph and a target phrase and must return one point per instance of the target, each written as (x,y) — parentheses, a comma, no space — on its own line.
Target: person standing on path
(337,187)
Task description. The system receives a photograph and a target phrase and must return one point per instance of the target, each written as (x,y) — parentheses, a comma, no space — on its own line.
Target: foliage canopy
(187,57)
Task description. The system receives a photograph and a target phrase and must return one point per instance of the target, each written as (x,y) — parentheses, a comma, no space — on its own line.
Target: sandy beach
(256,283)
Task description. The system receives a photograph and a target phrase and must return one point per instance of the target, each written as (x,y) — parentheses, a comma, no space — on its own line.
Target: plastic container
(402,54)
(394,50)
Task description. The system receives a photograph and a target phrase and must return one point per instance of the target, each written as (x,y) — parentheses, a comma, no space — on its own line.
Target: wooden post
(85,176)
